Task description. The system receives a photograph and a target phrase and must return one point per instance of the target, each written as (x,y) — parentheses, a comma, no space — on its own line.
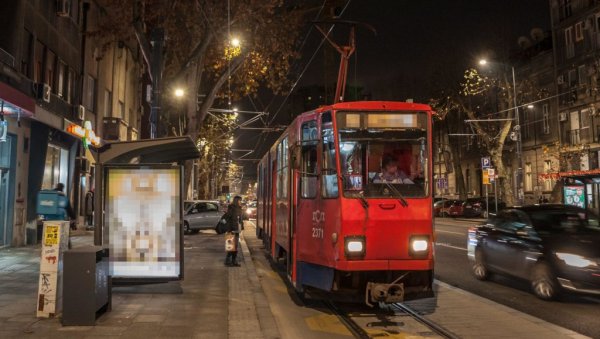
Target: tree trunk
(506,179)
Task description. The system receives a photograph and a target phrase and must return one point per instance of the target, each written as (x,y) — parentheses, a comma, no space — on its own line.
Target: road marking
(450,246)
(327,323)
(459,233)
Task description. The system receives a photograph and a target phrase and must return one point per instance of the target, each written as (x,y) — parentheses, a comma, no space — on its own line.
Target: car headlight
(419,245)
(249,211)
(354,246)
(575,260)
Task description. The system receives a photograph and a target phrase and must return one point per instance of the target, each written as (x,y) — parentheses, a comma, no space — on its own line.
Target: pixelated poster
(142,221)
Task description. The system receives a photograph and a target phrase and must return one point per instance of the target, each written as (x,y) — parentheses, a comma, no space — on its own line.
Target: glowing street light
(235,42)
(179,92)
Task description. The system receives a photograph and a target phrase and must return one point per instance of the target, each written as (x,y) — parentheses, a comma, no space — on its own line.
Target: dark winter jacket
(234,218)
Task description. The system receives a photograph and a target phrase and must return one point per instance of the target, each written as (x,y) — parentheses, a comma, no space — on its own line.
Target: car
(446,208)
(456,208)
(250,211)
(472,208)
(555,247)
(201,215)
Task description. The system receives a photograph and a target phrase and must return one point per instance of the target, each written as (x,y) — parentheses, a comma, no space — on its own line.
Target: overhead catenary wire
(306,67)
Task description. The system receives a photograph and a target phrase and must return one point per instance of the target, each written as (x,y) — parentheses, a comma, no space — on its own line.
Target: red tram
(345,198)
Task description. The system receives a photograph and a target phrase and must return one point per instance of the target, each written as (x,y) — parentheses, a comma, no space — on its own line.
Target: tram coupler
(386,293)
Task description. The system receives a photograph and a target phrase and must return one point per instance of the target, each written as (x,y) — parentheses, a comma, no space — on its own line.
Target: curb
(266,319)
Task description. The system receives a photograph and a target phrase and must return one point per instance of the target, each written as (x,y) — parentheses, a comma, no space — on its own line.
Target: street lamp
(179,92)
(517,129)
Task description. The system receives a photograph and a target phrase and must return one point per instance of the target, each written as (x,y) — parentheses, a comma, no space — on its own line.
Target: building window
(572,78)
(38,66)
(26,56)
(565,9)
(569,46)
(50,61)
(70,82)
(582,75)
(585,118)
(528,178)
(61,83)
(548,183)
(579,31)
(546,118)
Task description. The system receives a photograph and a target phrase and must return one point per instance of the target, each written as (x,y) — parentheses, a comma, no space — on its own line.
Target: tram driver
(390,173)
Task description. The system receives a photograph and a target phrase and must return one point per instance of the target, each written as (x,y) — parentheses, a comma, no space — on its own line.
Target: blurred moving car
(201,215)
(250,211)
(555,247)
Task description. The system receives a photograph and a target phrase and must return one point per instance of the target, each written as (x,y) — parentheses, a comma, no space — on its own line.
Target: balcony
(576,137)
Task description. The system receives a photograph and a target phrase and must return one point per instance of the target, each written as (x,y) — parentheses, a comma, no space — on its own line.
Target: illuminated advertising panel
(574,196)
(143,221)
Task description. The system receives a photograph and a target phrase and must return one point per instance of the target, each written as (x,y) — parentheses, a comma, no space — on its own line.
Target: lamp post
(517,131)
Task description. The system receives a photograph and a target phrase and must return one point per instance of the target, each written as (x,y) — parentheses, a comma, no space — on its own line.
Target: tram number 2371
(317,232)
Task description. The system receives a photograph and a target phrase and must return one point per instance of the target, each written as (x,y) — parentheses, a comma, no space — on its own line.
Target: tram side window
(308,169)
(282,169)
(329,178)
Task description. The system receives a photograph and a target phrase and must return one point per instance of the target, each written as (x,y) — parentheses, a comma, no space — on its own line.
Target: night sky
(417,39)
(420,46)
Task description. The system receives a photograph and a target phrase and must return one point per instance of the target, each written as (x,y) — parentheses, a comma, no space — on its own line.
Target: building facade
(53,83)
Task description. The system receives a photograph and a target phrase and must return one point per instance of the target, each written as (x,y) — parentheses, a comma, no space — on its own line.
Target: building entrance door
(6,157)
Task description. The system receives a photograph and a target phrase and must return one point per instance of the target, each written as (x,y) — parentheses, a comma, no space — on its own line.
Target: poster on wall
(574,196)
(142,224)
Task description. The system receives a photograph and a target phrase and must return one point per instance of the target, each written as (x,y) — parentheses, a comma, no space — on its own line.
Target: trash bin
(86,293)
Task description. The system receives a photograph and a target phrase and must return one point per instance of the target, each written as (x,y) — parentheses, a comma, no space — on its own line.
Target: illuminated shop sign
(143,221)
(85,133)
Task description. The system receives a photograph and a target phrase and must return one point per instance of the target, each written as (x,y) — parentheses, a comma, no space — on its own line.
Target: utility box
(86,287)
(52,205)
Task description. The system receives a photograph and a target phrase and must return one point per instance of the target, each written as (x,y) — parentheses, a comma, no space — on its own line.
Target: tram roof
(376,106)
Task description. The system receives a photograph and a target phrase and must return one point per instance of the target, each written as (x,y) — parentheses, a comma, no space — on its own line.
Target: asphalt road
(577,313)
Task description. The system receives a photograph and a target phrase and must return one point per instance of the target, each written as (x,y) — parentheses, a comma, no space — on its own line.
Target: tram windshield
(384,155)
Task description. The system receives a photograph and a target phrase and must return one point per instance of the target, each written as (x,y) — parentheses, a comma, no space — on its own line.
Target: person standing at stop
(234,225)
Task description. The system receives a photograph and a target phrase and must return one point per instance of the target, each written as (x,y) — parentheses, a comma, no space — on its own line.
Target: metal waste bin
(86,290)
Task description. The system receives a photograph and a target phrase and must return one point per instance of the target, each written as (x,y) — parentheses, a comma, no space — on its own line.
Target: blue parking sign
(485,162)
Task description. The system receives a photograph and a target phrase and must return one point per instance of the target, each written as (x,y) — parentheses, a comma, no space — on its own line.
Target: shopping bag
(230,243)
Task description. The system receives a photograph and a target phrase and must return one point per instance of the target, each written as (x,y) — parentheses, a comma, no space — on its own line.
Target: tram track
(358,332)
(438,329)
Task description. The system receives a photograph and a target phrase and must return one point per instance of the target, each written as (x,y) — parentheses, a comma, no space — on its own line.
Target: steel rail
(438,329)
(351,325)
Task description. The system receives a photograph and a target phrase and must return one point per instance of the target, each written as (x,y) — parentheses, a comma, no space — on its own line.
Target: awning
(149,151)
(13,100)
(571,174)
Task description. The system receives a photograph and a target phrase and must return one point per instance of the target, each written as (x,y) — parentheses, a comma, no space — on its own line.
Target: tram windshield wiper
(363,201)
(397,193)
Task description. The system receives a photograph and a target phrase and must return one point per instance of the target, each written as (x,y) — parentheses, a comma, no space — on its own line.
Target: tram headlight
(419,245)
(354,246)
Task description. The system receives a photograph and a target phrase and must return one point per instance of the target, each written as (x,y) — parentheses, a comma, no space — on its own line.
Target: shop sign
(85,133)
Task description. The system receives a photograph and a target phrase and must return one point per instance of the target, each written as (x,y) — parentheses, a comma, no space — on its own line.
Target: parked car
(555,247)
(491,204)
(442,208)
(456,208)
(472,208)
(201,215)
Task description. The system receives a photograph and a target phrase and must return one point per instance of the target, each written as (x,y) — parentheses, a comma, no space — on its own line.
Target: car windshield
(383,155)
(564,222)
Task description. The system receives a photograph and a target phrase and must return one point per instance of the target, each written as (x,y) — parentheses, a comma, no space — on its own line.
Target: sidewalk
(213,301)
